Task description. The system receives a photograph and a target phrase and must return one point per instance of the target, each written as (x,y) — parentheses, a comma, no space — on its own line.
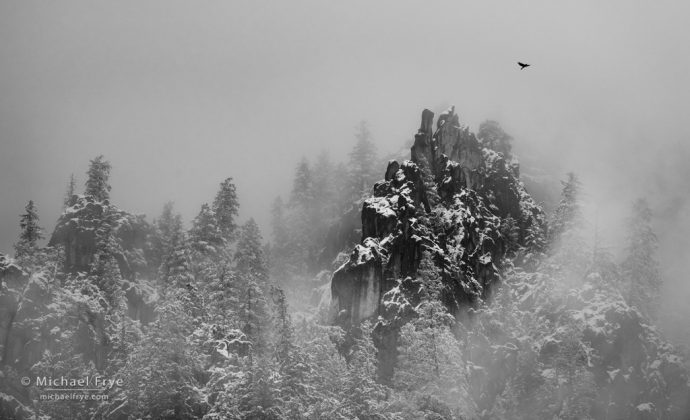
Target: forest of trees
(200,322)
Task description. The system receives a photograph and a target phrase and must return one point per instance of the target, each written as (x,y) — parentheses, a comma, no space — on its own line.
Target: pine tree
(249,256)
(279,224)
(291,364)
(362,393)
(205,235)
(302,188)
(164,369)
(169,224)
(640,266)
(253,275)
(362,163)
(225,207)
(510,231)
(568,213)
(105,267)
(70,192)
(168,235)
(534,236)
(97,184)
(31,232)
(254,315)
(303,229)
(492,136)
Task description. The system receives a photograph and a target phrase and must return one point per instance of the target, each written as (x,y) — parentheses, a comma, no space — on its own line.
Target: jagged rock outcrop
(78,228)
(473,189)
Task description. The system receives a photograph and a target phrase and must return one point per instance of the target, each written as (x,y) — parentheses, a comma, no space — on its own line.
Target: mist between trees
(502,311)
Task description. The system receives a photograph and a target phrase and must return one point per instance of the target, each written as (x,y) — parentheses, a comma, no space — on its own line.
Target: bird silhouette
(523,65)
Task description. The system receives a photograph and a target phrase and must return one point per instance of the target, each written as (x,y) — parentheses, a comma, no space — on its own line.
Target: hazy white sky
(180,95)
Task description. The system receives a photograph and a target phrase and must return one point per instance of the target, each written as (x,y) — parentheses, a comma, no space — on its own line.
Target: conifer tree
(362,393)
(30,233)
(640,266)
(254,316)
(225,207)
(98,174)
(492,136)
(249,255)
(205,234)
(302,217)
(279,225)
(70,192)
(105,268)
(567,214)
(253,274)
(164,369)
(362,163)
(302,187)
(169,236)
(534,236)
(175,269)
(291,364)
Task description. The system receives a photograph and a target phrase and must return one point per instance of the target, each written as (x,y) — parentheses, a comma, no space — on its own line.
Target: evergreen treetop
(98,174)
(205,234)
(302,188)
(249,256)
(362,164)
(70,192)
(31,232)
(225,207)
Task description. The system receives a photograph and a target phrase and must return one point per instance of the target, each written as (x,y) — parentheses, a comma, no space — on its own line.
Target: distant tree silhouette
(97,184)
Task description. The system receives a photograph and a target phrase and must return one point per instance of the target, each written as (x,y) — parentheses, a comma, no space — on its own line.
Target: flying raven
(523,65)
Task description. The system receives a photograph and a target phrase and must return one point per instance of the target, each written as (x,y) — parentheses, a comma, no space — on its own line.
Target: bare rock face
(356,290)
(462,233)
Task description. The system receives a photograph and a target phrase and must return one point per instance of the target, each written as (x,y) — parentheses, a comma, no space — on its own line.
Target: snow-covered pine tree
(163,372)
(362,394)
(640,267)
(30,233)
(98,174)
(291,363)
(249,255)
(167,233)
(105,268)
(205,235)
(534,237)
(253,275)
(225,207)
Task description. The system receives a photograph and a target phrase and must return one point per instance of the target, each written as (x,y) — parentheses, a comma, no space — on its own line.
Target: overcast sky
(180,95)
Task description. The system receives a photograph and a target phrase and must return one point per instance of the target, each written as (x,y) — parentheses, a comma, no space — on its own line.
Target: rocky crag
(461,202)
